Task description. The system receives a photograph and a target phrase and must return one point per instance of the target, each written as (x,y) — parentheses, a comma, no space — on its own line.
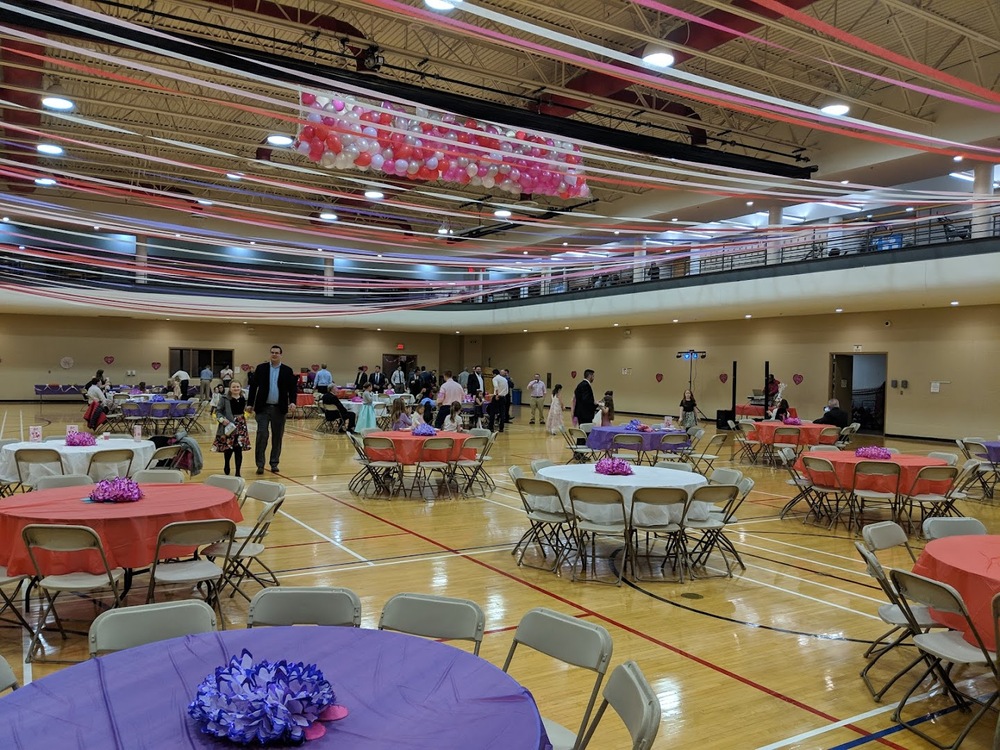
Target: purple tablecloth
(993,450)
(146,406)
(401,691)
(600,437)
(58,390)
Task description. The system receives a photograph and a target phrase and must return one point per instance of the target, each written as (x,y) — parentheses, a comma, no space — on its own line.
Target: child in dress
(427,403)
(366,417)
(554,423)
(453,422)
(607,408)
(480,410)
(232,437)
(399,418)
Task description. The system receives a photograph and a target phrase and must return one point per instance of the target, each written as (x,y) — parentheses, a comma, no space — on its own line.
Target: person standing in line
(536,392)
(554,423)
(398,379)
(206,382)
(323,379)
(449,392)
(272,391)
(463,378)
(361,377)
(476,382)
(378,380)
(584,406)
(226,373)
(498,404)
(688,405)
(183,380)
(232,436)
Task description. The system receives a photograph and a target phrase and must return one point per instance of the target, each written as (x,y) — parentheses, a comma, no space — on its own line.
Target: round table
(970,564)
(407,446)
(127,530)
(400,692)
(75,459)
(909,465)
(600,438)
(565,477)
(146,406)
(808,433)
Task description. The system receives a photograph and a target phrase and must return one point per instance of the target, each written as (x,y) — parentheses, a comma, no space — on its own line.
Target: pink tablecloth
(128,531)
(844,463)
(408,445)
(305,399)
(971,564)
(808,433)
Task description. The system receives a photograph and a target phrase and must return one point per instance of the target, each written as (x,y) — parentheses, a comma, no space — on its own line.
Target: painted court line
(323,536)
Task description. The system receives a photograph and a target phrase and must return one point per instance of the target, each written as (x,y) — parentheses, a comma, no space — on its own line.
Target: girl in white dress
(366,416)
(554,422)
(453,422)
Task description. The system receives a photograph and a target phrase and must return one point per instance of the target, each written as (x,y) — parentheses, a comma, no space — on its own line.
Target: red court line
(680,652)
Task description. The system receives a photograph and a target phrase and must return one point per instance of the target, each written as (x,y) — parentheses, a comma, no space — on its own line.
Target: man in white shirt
(536,392)
(498,404)
(185,380)
(226,373)
(398,380)
(449,392)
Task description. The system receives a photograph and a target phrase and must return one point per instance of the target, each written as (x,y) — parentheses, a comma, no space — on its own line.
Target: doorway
(857,381)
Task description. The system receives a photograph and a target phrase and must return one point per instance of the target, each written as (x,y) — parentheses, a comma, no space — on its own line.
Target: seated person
(453,422)
(781,413)
(834,415)
(399,418)
(332,406)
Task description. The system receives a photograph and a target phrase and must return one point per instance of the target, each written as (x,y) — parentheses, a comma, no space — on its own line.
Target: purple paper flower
(80,439)
(873,452)
(157,399)
(792,420)
(613,466)
(424,430)
(117,490)
(257,703)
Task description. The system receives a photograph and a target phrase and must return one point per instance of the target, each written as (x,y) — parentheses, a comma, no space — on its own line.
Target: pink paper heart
(314,731)
(109,360)
(723,377)
(155,365)
(797,379)
(573,374)
(315,368)
(333,713)
(659,377)
(245,367)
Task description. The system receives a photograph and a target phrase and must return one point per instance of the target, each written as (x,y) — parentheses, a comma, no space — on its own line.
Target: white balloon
(322,101)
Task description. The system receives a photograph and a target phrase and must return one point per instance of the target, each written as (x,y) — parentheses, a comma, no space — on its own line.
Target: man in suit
(378,380)
(583,400)
(361,377)
(271,393)
(476,382)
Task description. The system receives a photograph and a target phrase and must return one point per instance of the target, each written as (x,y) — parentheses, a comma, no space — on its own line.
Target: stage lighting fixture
(372,59)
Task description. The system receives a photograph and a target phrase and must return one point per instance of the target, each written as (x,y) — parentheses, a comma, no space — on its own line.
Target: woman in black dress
(232,436)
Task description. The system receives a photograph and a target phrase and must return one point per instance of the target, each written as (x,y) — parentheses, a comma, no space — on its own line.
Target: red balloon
(308,133)
(470,123)
(316,149)
(308,99)
(321,131)
(385,118)
(404,151)
(333,145)
(364,159)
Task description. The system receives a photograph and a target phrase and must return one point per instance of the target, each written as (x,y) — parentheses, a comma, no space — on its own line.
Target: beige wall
(959,345)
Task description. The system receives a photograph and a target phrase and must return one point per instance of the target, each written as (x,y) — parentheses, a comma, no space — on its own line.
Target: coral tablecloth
(305,399)
(400,692)
(408,445)
(600,437)
(127,530)
(971,564)
(747,410)
(844,463)
(808,433)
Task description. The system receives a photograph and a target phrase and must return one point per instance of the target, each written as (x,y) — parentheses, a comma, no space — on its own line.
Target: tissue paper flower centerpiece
(873,452)
(635,425)
(255,703)
(616,466)
(792,420)
(425,430)
(117,490)
(80,439)
(157,399)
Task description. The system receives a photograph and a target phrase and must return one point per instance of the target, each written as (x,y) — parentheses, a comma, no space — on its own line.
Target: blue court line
(891,730)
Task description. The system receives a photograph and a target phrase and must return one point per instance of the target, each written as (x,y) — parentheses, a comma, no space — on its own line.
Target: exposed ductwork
(20,86)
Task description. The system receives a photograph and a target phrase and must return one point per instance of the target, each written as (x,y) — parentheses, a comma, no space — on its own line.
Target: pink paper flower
(873,452)
(613,466)
(80,439)
(117,490)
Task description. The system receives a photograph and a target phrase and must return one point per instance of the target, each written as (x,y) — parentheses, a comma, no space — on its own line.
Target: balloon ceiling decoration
(342,132)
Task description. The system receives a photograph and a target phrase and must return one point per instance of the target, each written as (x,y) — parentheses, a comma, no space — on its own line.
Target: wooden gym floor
(766,659)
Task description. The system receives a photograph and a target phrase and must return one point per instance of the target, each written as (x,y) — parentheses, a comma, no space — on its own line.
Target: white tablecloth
(585,475)
(75,459)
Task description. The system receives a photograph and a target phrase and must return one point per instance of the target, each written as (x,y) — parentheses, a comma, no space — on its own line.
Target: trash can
(722,417)
(515,397)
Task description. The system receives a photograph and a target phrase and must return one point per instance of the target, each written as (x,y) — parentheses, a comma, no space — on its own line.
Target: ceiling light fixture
(954,303)
(328,216)
(442,4)
(502,213)
(835,109)
(234,175)
(45,181)
(443,229)
(55,98)
(956,158)
(839,310)
(49,149)
(748,316)
(280,140)
(657,56)
(374,195)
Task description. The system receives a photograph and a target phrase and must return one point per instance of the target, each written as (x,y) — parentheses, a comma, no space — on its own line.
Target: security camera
(887,323)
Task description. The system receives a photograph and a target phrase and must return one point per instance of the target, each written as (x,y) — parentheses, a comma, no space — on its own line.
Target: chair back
(626,440)
(480,432)
(478,443)
(936,474)
(829,432)
(938,528)
(818,465)
(26,459)
(884,535)
(130,409)
(159,476)
(62,480)
(371,443)
(108,463)
(876,571)
(265,491)
(822,448)
(236,485)
(437,449)
(540,463)
(118,629)
(950,458)
(195,533)
(584,500)
(264,520)
(630,695)
(167,452)
(515,472)
(877,469)
(787,435)
(576,435)
(586,427)
(65,538)
(658,500)
(7,678)
(434,617)
(305,605)
(725,476)
(931,593)
(531,489)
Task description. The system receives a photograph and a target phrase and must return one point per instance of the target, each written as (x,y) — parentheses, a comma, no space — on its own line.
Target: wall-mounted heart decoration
(155,365)
(573,374)
(245,367)
(659,377)
(315,368)
(797,379)
(723,377)
(109,360)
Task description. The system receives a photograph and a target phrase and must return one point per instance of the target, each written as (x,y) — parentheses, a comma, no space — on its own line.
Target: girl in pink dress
(554,422)
(607,408)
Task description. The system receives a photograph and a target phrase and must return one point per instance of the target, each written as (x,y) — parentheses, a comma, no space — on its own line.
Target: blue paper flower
(257,703)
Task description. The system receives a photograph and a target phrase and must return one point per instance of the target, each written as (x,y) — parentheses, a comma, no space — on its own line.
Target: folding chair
(7,678)
(942,651)
(434,458)
(631,697)
(950,458)
(712,529)
(540,463)
(158,476)
(241,554)
(305,605)
(236,485)
(988,472)
(118,629)
(9,601)
(442,617)
(934,504)
(695,434)
(260,491)
(725,476)
(783,437)
(672,447)
(800,483)
(549,522)
(133,417)
(33,463)
(63,480)
(884,473)
(744,447)
(829,436)
(598,512)
(473,470)
(629,443)
(703,460)
(164,457)
(160,419)
(572,641)
(576,441)
(674,465)
(108,463)
(383,472)
(57,539)
(660,513)
(938,528)
(825,488)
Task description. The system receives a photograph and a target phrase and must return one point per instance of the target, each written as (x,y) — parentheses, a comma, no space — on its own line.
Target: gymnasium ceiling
(174,98)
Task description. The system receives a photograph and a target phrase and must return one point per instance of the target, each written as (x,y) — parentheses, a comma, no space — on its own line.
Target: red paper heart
(659,377)
(109,360)
(573,374)
(156,365)
(797,379)
(245,367)
(723,377)
(315,368)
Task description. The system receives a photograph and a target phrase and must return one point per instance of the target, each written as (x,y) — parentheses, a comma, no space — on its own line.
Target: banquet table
(585,475)
(127,530)
(808,433)
(75,458)
(54,389)
(748,410)
(305,399)
(845,461)
(146,405)
(400,691)
(970,564)
(408,445)
(600,438)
